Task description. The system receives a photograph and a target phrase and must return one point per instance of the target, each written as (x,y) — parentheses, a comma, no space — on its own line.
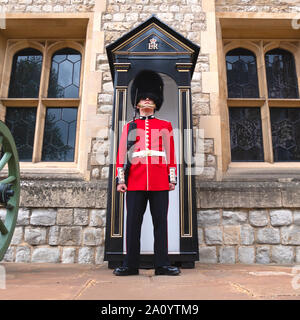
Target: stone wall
(249,222)
(46,6)
(238,222)
(274,6)
(59,221)
(73,235)
(249,236)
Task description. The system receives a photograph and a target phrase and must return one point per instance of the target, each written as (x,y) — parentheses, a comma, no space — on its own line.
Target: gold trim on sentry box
(148,36)
(113,234)
(182,167)
(153,25)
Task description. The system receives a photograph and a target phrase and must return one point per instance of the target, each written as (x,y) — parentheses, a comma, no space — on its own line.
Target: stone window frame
(259,48)
(47,47)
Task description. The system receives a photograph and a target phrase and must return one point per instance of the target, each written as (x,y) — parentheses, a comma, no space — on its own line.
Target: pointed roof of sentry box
(135,42)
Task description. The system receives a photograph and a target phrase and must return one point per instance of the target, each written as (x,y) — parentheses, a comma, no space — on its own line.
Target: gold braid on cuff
(172,176)
(120,176)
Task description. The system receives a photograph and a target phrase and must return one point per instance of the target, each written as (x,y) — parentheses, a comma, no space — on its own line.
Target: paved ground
(216,282)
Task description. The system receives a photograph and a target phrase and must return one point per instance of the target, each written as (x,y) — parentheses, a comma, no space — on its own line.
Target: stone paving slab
(204,282)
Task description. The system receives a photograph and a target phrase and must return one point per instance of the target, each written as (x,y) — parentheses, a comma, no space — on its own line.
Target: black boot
(125,271)
(167,271)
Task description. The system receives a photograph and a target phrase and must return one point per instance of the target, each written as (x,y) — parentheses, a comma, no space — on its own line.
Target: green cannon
(9,187)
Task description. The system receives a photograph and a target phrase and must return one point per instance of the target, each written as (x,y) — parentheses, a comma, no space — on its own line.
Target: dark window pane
(21,123)
(285,124)
(25,74)
(242,78)
(281,74)
(60,134)
(65,74)
(246,134)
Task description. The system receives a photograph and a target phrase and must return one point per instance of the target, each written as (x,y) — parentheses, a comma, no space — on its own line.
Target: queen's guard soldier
(147,171)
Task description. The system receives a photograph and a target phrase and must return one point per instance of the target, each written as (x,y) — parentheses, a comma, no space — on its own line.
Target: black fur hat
(147,84)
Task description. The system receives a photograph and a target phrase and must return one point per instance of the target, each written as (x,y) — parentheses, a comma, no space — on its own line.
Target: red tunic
(149,172)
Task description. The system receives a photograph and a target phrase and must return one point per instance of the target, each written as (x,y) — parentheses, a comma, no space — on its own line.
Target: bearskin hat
(147,84)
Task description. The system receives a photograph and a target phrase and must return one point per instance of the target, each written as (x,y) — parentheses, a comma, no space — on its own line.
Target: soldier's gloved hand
(122,187)
(171,186)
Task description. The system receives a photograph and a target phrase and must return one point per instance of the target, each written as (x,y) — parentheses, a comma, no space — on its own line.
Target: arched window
(242,78)
(64,78)
(60,134)
(26,74)
(21,122)
(246,134)
(281,74)
(285,126)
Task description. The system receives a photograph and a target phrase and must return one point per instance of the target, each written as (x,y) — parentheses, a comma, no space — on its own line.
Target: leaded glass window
(242,81)
(59,134)
(285,125)
(281,74)
(25,74)
(21,122)
(65,74)
(246,134)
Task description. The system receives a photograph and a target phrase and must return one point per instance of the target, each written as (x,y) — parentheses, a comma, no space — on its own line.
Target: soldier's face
(146,103)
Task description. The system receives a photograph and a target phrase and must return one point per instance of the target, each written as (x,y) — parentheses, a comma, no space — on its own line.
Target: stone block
(296,219)
(268,236)
(263,254)
(63,194)
(92,236)
(17,236)
(101,199)
(282,254)
(43,217)
(208,218)
(70,236)
(47,255)
(229,195)
(213,235)
(68,255)
(227,255)
(231,217)
(200,236)
(64,216)
(86,255)
(231,235)
(298,254)
(281,217)
(206,173)
(35,236)
(9,255)
(81,217)
(258,218)
(291,195)
(23,254)
(208,255)
(291,235)
(54,235)
(247,235)
(246,255)
(97,218)
(23,217)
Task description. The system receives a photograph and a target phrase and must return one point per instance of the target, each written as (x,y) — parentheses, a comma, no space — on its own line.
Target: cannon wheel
(10,158)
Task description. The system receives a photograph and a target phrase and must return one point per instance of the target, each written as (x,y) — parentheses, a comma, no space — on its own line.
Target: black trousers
(136,202)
